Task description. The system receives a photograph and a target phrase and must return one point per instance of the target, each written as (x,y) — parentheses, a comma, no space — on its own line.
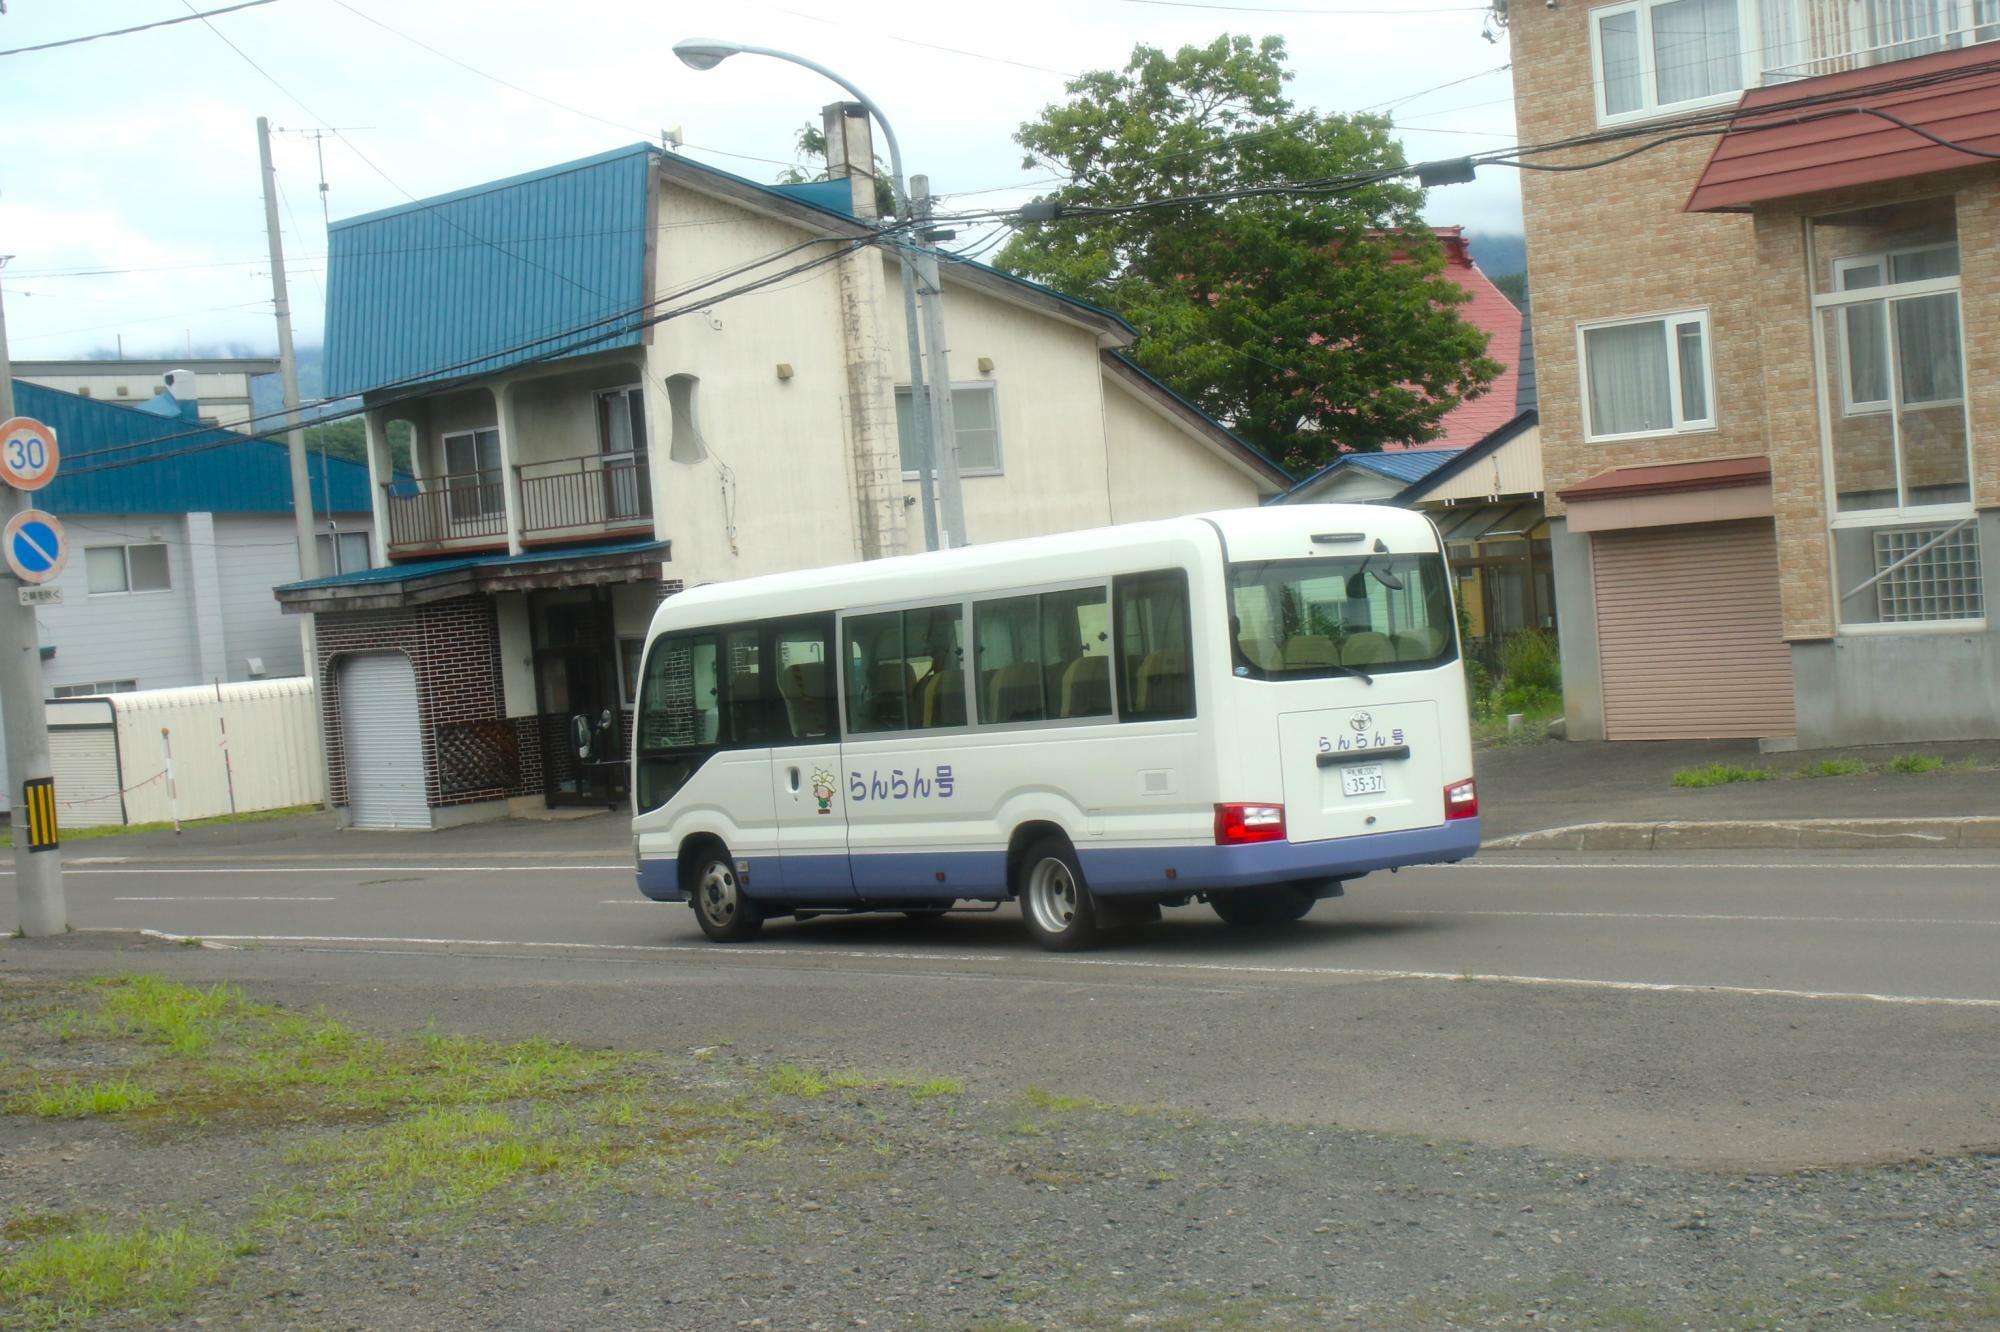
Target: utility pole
(288,365)
(37,874)
(944,431)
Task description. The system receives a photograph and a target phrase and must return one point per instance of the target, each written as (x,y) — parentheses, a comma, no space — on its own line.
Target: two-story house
(1766,350)
(631,374)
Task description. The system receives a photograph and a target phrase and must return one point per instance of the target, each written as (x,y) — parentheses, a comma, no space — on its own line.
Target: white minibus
(1244,708)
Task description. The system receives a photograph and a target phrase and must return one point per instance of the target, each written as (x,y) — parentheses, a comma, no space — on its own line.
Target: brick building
(1764,359)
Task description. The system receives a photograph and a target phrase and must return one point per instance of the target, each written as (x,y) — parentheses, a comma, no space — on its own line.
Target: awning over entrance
(1842,130)
(1715,490)
(415,582)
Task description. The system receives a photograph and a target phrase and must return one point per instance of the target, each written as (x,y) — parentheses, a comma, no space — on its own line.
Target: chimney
(180,383)
(850,152)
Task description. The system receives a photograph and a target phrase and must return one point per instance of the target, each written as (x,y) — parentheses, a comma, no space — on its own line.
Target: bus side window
(1076,638)
(804,666)
(680,714)
(1009,660)
(1155,673)
(878,680)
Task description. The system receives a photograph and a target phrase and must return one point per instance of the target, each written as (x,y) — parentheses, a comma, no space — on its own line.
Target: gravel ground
(717,1188)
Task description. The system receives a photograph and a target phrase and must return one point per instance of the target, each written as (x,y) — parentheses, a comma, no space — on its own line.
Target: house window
(472,474)
(1897,438)
(621,421)
(95,689)
(111,569)
(1655,55)
(1646,376)
(343,553)
(975,411)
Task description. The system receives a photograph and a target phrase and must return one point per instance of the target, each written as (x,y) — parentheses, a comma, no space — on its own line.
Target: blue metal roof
(834,196)
(487,277)
(171,466)
(412,569)
(1407,466)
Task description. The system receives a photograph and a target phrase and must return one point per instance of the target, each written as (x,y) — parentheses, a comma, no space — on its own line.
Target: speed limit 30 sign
(28,453)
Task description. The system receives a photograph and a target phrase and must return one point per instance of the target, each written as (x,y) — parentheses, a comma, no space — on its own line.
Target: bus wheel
(1263,906)
(1054,901)
(726,915)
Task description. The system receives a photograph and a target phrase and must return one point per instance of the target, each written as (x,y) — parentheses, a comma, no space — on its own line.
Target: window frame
(478,487)
(634,395)
(125,554)
(1889,291)
(1671,321)
(1650,107)
(1038,591)
(94,689)
(899,608)
(987,386)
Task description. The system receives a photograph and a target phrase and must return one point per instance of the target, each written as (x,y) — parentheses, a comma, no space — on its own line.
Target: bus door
(805,762)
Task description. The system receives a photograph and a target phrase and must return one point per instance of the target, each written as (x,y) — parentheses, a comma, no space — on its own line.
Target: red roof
(1782,153)
(1489,309)
(1669,478)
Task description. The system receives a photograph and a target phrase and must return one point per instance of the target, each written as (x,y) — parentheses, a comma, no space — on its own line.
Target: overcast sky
(138,154)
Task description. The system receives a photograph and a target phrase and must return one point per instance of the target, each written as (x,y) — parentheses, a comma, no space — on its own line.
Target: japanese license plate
(1363,779)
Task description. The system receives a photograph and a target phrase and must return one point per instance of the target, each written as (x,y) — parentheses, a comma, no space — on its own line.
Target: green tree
(347,438)
(1306,320)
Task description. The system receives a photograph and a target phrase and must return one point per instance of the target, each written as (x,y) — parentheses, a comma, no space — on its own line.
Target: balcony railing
(602,491)
(1805,38)
(442,512)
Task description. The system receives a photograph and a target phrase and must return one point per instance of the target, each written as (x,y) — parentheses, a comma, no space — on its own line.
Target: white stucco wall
(1158,470)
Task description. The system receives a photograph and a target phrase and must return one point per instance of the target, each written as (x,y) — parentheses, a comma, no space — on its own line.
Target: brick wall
(1613,242)
(453,646)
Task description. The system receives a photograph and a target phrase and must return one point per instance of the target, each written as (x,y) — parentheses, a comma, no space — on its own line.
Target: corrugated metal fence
(187,753)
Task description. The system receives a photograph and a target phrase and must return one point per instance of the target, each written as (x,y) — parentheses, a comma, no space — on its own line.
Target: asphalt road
(1754,1009)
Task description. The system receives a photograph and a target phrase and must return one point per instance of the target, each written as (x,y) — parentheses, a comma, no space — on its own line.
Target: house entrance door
(576,686)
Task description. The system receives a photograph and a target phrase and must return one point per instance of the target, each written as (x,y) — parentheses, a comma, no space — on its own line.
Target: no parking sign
(34,544)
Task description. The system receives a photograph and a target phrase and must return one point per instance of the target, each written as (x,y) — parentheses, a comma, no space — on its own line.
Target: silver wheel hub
(1052,895)
(716,893)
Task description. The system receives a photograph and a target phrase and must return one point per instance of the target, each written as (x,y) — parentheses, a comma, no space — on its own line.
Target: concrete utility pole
(37,874)
(944,429)
(295,435)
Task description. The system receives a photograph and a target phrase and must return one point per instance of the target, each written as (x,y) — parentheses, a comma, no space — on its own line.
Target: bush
(1529,662)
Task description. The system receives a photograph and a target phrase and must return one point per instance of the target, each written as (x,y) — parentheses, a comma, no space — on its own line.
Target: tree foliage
(810,145)
(1307,321)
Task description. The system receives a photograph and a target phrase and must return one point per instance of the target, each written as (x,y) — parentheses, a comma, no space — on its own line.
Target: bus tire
(1055,901)
(725,913)
(1279,905)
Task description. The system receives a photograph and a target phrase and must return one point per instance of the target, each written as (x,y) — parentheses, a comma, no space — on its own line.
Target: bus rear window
(1294,618)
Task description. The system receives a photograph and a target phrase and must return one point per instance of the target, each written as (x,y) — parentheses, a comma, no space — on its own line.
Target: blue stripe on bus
(1110,871)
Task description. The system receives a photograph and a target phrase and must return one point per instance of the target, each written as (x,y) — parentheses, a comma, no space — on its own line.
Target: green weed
(81,1100)
(934,1087)
(1059,1104)
(1719,774)
(791,1080)
(123,829)
(1835,767)
(66,1279)
(1915,763)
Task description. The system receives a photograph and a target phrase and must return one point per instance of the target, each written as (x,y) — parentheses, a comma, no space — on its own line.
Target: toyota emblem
(1360,722)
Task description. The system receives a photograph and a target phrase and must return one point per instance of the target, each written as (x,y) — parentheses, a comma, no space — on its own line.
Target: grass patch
(791,1080)
(81,1100)
(1835,767)
(931,1088)
(121,830)
(1915,763)
(1719,774)
(1976,1304)
(35,1225)
(1056,1103)
(66,1279)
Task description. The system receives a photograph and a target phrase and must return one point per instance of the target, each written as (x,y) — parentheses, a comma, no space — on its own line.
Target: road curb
(1956,834)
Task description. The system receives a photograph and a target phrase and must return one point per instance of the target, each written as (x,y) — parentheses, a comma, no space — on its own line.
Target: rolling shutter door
(1689,633)
(383,739)
(84,761)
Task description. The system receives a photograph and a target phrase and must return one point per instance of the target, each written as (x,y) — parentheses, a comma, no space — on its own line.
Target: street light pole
(705,54)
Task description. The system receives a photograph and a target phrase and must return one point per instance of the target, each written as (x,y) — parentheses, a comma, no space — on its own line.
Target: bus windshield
(1368,613)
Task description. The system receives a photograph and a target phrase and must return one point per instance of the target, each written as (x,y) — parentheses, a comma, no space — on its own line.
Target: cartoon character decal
(823,789)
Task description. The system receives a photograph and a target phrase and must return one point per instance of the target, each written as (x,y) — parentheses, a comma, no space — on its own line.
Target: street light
(705,53)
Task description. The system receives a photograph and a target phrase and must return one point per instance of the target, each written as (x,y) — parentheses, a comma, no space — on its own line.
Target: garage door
(1689,633)
(384,742)
(84,760)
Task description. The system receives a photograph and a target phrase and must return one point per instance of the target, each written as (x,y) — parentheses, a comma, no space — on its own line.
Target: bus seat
(1419,644)
(1163,683)
(1310,650)
(1086,690)
(885,702)
(943,698)
(1014,694)
(1367,648)
(805,687)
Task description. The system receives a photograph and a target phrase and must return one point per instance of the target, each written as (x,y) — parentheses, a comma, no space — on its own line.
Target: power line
(139,27)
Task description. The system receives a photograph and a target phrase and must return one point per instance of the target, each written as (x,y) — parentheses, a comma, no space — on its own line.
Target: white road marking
(220,898)
(780,952)
(1690,915)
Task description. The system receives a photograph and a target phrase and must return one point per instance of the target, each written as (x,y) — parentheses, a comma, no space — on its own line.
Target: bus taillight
(1237,824)
(1461,800)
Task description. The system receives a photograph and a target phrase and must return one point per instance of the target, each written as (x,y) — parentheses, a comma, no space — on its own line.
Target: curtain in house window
(1630,390)
(1899,29)
(1927,348)
(1784,51)
(1697,49)
(1618,46)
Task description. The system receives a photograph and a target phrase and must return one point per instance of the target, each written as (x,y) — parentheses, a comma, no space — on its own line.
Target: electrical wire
(139,27)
